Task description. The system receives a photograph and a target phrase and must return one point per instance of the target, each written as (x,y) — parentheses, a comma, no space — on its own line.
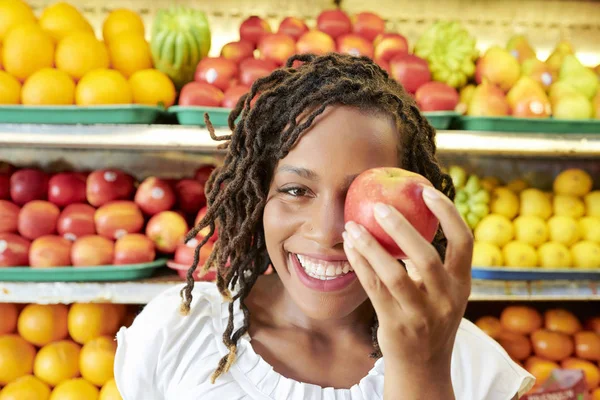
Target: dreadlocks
(273,115)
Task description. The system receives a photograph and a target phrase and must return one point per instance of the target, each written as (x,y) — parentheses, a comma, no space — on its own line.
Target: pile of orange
(545,342)
(59,352)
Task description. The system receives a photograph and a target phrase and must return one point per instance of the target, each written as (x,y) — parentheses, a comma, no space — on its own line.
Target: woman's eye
(295,191)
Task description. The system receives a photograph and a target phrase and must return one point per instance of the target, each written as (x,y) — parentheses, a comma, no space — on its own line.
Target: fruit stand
(103,162)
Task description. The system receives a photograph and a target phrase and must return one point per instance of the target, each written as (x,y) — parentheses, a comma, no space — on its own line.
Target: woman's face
(304,215)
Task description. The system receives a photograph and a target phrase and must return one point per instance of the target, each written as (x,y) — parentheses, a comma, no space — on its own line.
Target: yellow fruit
(590,229)
(41,324)
(88,321)
(569,206)
(13,13)
(10,89)
(563,230)
(574,182)
(103,86)
(519,254)
(57,362)
(61,19)
(97,360)
(129,52)
(25,388)
(16,358)
(531,230)
(75,389)
(27,49)
(79,53)
(554,255)
(490,183)
(536,203)
(49,86)
(586,254)
(487,255)
(109,391)
(152,87)
(495,229)
(592,203)
(120,21)
(504,202)
(517,185)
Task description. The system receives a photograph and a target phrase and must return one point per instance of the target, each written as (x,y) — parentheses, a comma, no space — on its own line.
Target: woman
(338,305)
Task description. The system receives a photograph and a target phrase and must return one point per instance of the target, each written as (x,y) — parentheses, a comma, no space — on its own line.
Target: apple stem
(337,3)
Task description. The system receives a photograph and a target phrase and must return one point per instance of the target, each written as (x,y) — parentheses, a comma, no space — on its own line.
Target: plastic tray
(182,270)
(527,125)
(440,119)
(534,274)
(72,115)
(103,273)
(194,115)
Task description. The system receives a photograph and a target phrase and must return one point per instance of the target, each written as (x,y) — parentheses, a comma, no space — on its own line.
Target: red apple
(253,29)
(437,96)
(50,251)
(205,231)
(14,250)
(7,168)
(334,23)
(251,70)
(277,47)
(200,94)
(167,230)
(92,250)
(184,254)
(388,46)
(75,221)
(67,188)
(117,218)
(154,195)
(108,185)
(27,185)
(354,45)
(203,172)
(368,25)
(4,187)
(233,94)
(217,71)
(395,187)
(411,71)
(9,217)
(237,51)
(293,27)
(38,218)
(190,195)
(315,42)
(134,248)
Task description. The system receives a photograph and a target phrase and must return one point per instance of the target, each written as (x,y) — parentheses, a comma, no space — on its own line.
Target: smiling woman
(339,304)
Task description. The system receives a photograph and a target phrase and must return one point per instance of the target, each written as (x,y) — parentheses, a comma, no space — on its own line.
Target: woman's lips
(331,285)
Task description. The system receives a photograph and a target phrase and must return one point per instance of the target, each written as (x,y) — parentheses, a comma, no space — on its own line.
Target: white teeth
(320,270)
(330,270)
(323,270)
(339,270)
(346,269)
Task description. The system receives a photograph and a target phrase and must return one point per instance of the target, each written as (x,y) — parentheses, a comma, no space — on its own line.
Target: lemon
(79,53)
(495,229)
(590,229)
(25,387)
(103,86)
(535,202)
(569,206)
(573,181)
(519,254)
(517,185)
(129,52)
(152,87)
(27,49)
(563,230)
(49,86)
(10,89)
(60,19)
(554,255)
(119,21)
(13,13)
(504,202)
(592,203)
(586,254)
(487,255)
(531,230)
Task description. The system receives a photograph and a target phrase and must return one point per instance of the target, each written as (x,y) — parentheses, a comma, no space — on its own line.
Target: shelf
(535,291)
(197,139)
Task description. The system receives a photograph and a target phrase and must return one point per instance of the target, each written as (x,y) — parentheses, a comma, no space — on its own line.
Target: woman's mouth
(322,275)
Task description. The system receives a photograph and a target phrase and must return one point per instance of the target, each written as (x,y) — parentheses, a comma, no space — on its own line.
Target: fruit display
(471,199)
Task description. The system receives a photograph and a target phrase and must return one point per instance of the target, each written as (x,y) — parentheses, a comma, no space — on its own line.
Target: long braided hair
(272,116)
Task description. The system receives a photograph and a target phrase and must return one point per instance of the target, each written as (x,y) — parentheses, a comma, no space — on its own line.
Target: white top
(166,356)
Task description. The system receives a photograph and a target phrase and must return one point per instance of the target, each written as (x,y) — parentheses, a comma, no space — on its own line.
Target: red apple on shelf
(167,230)
(93,250)
(293,27)
(203,172)
(233,94)
(277,47)
(118,218)
(108,185)
(354,45)
(4,187)
(205,231)
(50,251)
(253,29)
(334,23)
(368,25)
(237,51)
(28,184)
(134,248)
(184,254)
(315,42)
(154,195)
(67,188)
(9,216)
(14,250)
(200,94)
(397,188)
(388,46)
(217,71)
(38,218)
(75,221)
(251,70)
(411,71)
(190,195)
(437,96)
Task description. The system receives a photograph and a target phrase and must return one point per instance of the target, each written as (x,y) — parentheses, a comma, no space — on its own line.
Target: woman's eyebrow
(302,172)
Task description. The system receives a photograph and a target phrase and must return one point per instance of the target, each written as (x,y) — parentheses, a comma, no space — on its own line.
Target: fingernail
(430,193)
(382,210)
(347,241)
(353,229)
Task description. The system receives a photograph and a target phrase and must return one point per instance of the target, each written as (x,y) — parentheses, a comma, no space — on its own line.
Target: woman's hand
(418,319)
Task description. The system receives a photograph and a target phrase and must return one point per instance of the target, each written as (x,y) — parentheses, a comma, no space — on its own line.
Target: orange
(57,362)
(593,324)
(591,372)
(27,49)
(596,394)
(13,13)
(42,324)
(516,345)
(61,19)
(97,360)
(88,321)
(16,358)
(109,391)
(553,346)
(129,52)
(119,311)
(75,389)
(79,53)
(103,86)
(490,325)
(8,318)
(521,319)
(152,87)
(120,21)
(10,89)
(25,388)
(48,86)
(587,345)
(559,320)
(540,368)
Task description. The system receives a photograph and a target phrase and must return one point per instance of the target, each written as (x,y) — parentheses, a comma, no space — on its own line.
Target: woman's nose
(327,223)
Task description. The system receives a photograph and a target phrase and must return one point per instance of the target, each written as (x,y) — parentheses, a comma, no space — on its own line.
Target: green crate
(194,115)
(73,115)
(528,125)
(440,119)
